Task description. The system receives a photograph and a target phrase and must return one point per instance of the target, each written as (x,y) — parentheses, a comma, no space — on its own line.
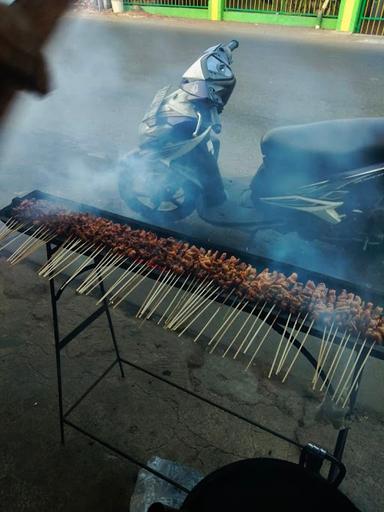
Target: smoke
(105,74)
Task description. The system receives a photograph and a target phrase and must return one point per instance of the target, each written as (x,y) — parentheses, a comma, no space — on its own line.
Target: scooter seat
(310,152)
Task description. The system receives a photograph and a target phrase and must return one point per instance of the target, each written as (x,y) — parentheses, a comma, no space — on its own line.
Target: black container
(258,485)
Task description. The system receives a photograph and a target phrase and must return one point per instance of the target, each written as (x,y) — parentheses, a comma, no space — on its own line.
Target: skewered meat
(326,306)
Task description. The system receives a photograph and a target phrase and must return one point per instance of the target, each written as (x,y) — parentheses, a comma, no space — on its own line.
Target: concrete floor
(139,414)
(54,145)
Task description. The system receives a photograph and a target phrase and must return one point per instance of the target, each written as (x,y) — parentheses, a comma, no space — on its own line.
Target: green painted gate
(371,19)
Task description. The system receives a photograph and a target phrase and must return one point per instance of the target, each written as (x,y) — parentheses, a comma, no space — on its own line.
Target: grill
(182,298)
(194,297)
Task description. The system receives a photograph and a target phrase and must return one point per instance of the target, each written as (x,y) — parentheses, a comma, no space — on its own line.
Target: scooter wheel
(154,191)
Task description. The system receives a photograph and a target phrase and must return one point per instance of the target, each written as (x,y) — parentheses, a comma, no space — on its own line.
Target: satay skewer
(145,275)
(127,271)
(155,289)
(205,327)
(292,333)
(228,325)
(182,300)
(94,272)
(190,300)
(170,284)
(349,376)
(330,377)
(180,290)
(341,380)
(64,252)
(249,333)
(314,378)
(136,274)
(322,351)
(83,265)
(293,339)
(61,256)
(210,302)
(262,341)
(326,353)
(107,272)
(52,264)
(10,242)
(298,351)
(279,346)
(259,328)
(356,379)
(75,257)
(100,274)
(249,316)
(43,237)
(194,305)
(335,357)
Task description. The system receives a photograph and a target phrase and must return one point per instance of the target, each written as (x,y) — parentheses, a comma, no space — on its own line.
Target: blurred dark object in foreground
(24,28)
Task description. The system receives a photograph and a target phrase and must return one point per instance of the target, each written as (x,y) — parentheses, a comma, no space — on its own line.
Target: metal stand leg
(107,312)
(57,350)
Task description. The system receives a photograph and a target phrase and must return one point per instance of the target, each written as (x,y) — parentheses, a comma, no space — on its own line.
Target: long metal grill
(177,300)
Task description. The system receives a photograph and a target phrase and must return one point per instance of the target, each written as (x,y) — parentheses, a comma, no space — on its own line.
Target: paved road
(106,72)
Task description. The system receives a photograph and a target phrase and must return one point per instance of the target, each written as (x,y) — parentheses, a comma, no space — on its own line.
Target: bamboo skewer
(240,330)
(227,318)
(83,265)
(106,273)
(130,279)
(335,357)
(132,266)
(259,328)
(27,242)
(174,279)
(345,368)
(194,305)
(9,227)
(341,351)
(58,255)
(347,380)
(44,236)
(145,275)
(249,333)
(314,378)
(75,257)
(326,352)
(184,301)
(298,351)
(212,317)
(156,288)
(228,323)
(181,302)
(10,242)
(354,383)
(293,339)
(62,255)
(95,272)
(323,349)
(173,300)
(262,341)
(190,300)
(282,359)
(279,346)
(192,310)
(204,309)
